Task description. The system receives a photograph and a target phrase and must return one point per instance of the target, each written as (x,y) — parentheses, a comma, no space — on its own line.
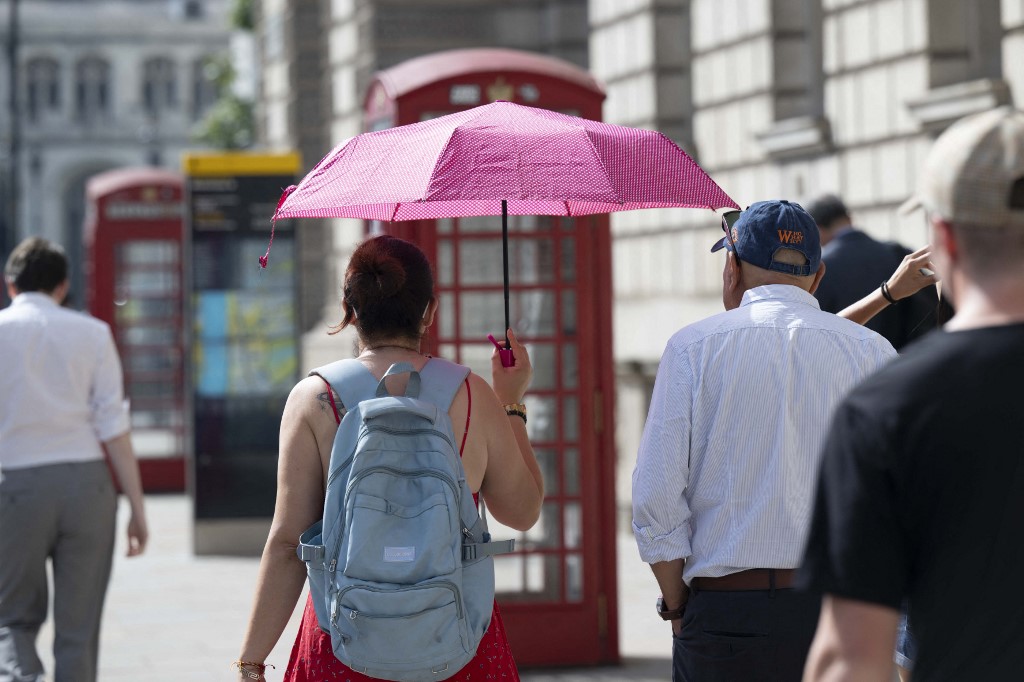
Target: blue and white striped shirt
(726,471)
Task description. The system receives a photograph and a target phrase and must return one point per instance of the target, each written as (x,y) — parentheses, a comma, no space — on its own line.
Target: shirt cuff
(113,422)
(669,546)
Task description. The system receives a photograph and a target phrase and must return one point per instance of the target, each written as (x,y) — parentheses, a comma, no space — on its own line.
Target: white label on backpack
(399,554)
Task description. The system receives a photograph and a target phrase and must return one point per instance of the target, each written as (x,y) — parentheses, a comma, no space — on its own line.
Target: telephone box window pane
(448,351)
(568,259)
(134,309)
(547,460)
(477,357)
(446,313)
(509,578)
(544,577)
(149,336)
(444,225)
(571,470)
(483,313)
(569,312)
(571,419)
(482,223)
(573,525)
(543,422)
(574,578)
(155,361)
(570,366)
(530,261)
(156,252)
(545,372)
(546,533)
(137,282)
(445,264)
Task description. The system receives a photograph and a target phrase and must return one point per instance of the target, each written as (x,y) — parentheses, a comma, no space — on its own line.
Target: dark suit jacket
(855,265)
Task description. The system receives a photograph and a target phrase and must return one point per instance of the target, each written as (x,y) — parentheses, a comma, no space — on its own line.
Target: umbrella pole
(504,255)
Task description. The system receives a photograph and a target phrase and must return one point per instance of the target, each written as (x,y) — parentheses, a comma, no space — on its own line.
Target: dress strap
(330,396)
(469,411)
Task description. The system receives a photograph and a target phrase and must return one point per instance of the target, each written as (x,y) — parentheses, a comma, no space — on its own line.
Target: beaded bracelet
(517,409)
(261,667)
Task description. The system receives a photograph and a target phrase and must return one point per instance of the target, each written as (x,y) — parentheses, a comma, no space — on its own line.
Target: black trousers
(756,636)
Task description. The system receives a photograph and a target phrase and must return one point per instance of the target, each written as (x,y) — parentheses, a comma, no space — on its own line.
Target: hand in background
(909,277)
(138,535)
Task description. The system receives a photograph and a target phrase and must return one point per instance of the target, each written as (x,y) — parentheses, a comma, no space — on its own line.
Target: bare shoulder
(312,397)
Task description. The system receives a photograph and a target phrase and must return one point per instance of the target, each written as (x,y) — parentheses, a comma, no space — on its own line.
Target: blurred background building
(101,84)
(774,98)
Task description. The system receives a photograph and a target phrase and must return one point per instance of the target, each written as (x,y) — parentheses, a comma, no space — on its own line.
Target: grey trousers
(64,512)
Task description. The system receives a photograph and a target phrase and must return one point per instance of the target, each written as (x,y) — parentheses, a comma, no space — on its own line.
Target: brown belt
(752,579)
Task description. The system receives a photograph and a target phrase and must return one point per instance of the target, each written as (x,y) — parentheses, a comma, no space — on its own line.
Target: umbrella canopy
(463,164)
(499,159)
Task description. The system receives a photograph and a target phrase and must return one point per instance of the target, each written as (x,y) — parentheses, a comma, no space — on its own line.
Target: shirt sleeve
(106,401)
(857,547)
(660,512)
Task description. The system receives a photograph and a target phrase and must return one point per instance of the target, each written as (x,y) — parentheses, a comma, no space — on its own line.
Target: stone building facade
(103,84)
(774,98)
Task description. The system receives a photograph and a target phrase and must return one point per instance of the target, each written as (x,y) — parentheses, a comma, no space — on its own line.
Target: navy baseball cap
(766,227)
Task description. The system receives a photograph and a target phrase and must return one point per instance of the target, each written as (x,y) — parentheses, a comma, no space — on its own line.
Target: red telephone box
(558,592)
(133,241)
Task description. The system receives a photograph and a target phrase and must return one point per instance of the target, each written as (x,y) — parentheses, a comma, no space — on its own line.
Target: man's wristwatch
(669,614)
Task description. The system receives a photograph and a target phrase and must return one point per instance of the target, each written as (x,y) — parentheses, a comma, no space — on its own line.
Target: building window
(43,87)
(92,88)
(205,89)
(965,41)
(159,86)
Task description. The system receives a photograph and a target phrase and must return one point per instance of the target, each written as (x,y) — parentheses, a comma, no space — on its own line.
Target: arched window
(92,88)
(42,83)
(205,90)
(159,85)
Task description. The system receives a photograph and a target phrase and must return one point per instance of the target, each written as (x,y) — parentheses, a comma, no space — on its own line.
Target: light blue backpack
(400,567)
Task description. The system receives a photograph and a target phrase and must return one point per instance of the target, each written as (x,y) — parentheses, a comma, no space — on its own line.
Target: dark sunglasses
(729,219)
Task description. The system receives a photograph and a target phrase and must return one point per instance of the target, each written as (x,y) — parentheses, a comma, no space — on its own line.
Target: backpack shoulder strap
(441,380)
(350,380)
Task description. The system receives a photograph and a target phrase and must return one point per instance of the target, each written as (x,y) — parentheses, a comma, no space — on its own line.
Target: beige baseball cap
(974,173)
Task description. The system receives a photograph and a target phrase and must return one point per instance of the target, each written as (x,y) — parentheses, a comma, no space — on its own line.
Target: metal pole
(504,255)
(14,148)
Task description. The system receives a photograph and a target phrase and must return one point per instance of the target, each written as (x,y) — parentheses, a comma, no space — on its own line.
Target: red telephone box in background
(558,591)
(133,241)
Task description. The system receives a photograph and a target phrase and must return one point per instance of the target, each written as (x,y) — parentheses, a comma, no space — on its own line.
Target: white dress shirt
(727,465)
(61,391)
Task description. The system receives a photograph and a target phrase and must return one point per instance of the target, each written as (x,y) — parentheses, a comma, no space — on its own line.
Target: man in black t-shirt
(921,495)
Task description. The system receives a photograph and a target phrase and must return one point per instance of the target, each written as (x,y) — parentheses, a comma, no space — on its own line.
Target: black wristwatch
(669,614)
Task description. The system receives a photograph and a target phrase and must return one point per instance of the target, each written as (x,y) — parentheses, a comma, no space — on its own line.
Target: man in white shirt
(724,481)
(62,405)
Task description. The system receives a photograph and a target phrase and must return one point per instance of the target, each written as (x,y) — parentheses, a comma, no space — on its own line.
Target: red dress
(313,658)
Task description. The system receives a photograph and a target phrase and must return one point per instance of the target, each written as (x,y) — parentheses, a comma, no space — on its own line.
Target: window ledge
(941,106)
(795,137)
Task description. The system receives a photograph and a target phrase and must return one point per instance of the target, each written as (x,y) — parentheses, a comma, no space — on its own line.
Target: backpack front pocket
(430,618)
(400,544)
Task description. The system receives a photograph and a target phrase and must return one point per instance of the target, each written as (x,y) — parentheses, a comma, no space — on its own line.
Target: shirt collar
(778,292)
(35,298)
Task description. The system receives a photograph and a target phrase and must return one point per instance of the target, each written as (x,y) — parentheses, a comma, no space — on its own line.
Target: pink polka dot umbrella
(500,159)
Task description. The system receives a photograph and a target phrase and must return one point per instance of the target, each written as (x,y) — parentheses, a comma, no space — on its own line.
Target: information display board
(243,334)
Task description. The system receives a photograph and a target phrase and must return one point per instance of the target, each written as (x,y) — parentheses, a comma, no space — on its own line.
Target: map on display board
(244,343)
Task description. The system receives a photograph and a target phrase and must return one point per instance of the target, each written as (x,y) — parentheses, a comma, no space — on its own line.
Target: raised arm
(513,485)
(912,275)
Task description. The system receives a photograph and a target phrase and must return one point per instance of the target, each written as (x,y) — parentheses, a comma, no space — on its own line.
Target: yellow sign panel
(222,164)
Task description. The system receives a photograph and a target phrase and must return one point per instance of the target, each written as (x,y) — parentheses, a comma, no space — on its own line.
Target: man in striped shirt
(725,474)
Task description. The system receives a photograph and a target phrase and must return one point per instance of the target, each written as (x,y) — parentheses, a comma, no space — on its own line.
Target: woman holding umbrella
(388,298)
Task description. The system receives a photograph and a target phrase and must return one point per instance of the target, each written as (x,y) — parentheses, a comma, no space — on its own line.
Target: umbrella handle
(506,355)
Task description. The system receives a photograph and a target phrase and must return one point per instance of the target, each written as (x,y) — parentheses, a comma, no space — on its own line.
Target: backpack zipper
(447,584)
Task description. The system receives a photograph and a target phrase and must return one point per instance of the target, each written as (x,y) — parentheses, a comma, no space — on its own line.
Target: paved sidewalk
(174,616)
